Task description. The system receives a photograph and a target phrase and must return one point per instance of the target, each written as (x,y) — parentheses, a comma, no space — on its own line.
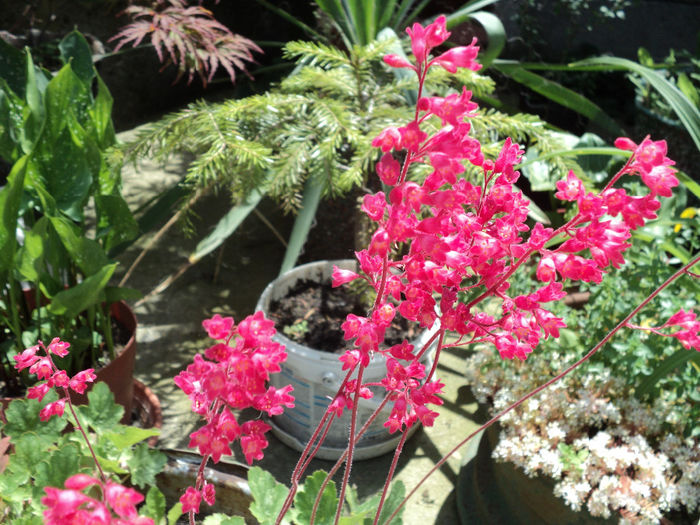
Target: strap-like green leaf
(312,196)
(673,361)
(559,94)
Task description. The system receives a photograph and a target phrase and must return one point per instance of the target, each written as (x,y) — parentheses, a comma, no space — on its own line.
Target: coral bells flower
(190,500)
(218,327)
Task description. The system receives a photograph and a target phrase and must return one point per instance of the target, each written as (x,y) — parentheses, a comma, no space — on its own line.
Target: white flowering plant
(617,435)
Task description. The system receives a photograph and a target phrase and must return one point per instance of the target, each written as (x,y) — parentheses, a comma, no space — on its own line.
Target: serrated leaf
(392,501)
(154,507)
(306,497)
(144,464)
(23,416)
(268,495)
(101,413)
(55,469)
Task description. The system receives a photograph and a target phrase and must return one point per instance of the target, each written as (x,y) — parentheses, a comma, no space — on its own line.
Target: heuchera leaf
(126,435)
(101,413)
(144,464)
(306,496)
(23,416)
(57,467)
(268,495)
(154,507)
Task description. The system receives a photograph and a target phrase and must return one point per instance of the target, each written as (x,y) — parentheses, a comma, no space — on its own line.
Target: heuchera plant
(463,241)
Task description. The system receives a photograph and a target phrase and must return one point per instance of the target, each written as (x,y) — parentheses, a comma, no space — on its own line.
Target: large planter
(233,495)
(316,376)
(489,491)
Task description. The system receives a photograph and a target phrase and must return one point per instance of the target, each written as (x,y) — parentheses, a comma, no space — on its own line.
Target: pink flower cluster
(464,240)
(70,505)
(688,332)
(232,375)
(44,368)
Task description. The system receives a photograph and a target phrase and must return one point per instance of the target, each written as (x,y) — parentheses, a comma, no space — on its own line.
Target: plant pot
(316,376)
(233,495)
(489,491)
(146,410)
(118,373)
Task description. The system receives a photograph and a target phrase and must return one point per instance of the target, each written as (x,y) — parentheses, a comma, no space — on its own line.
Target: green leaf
(174,513)
(115,294)
(268,495)
(393,500)
(496,36)
(687,113)
(125,436)
(66,98)
(306,496)
(226,226)
(101,113)
(10,200)
(222,519)
(665,367)
(302,224)
(34,119)
(76,51)
(154,507)
(31,255)
(559,94)
(88,292)
(115,223)
(62,463)
(12,68)
(86,253)
(145,464)
(23,416)
(101,413)
(689,183)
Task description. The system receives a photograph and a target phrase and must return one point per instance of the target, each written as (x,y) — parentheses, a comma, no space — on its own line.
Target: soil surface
(312,313)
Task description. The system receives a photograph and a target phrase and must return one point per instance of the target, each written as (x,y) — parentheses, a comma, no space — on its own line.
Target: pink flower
(80,380)
(122,500)
(52,409)
(42,368)
(218,327)
(388,139)
(571,189)
(190,500)
(27,358)
(209,493)
(342,276)
(58,347)
(463,56)
(388,169)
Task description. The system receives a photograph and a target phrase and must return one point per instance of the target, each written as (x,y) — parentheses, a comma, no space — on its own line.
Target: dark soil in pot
(312,314)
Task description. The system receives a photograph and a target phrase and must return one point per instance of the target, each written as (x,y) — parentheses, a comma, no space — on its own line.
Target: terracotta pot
(119,373)
(146,410)
(233,495)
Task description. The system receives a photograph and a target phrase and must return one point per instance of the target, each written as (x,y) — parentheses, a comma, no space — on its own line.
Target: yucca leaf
(300,232)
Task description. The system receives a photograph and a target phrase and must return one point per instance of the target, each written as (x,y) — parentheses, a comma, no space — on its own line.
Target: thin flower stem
(351,445)
(390,475)
(537,390)
(103,477)
(302,463)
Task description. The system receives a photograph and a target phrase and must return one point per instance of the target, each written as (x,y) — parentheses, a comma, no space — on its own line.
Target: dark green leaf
(23,416)
(88,292)
(87,254)
(302,224)
(116,225)
(10,200)
(12,68)
(55,469)
(76,51)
